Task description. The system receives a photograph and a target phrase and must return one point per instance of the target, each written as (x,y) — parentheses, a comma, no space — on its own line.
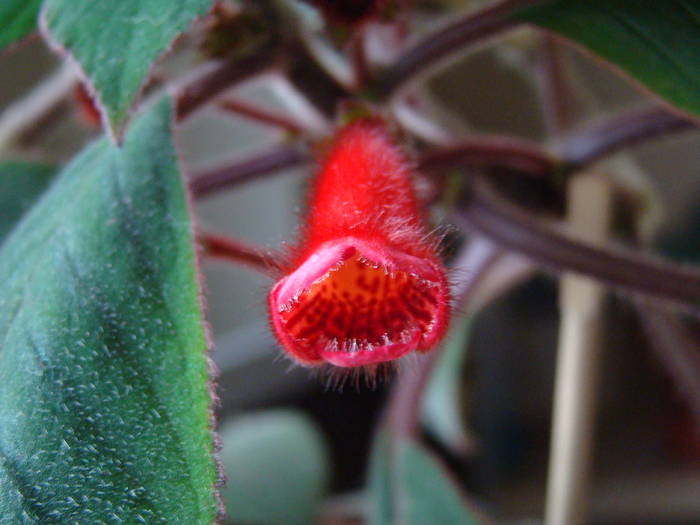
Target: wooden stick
(576,382)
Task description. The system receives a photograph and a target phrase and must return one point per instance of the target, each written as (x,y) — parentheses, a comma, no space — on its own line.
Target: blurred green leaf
(117,43)
(21,183)
(428,493)
(408,485)
(656,42)
(104,403)
(276,465)
(18,18)
(379,483)
(443,408)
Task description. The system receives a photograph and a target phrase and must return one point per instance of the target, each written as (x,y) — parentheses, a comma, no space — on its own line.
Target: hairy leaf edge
(618,71)
(212,368)
(115,130)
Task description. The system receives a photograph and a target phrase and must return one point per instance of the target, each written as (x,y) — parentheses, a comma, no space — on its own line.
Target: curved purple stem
(488,215)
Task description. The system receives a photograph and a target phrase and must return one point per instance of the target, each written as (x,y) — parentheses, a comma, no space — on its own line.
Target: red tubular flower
(365,285)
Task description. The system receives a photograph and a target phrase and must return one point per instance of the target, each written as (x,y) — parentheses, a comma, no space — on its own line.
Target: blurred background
(647,448)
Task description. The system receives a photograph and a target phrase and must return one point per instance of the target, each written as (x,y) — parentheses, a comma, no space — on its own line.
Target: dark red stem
(487,214)
(279,157)
(576,150)
(556,96)
(490,151)
(217,76)
(445,41)
(403,412)
(239,252)
(358,57)
(260,115)
(584,146)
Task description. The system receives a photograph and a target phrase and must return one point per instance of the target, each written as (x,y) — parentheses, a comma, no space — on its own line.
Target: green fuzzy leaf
(18,18)
(443,401)
(655,42)
(276,466)
(117,43)
(21,183)
(104,403)
(408,485)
